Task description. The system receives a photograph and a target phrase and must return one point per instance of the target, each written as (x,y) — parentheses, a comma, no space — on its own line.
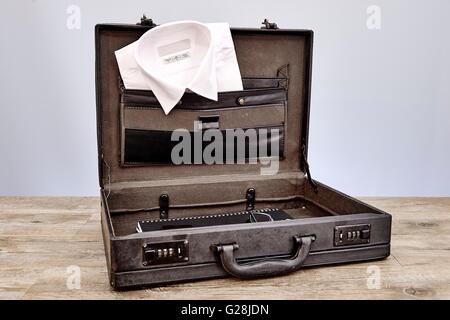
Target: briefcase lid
(260,53)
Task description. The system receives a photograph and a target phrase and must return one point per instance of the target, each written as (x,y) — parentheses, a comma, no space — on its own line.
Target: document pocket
(243,126)
(152,146)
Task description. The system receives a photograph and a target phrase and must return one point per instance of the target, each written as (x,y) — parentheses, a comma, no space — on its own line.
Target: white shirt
(174,57)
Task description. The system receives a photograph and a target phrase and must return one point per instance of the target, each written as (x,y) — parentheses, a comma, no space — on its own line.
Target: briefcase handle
(264,268)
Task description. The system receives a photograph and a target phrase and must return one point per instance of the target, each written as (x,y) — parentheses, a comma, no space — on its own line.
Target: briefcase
(165,222)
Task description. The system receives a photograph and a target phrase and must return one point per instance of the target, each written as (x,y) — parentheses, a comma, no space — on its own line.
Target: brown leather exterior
(131,193)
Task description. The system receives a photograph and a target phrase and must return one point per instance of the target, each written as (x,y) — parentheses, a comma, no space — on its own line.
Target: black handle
(264,268)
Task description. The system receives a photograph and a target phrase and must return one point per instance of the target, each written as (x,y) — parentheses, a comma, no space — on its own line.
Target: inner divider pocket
(155,147)
(146,132)
(192,101)
(240,117)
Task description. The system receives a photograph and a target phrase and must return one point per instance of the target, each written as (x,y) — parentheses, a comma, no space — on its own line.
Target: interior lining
(222,189)
(259,55)
(125,223)
(292,193)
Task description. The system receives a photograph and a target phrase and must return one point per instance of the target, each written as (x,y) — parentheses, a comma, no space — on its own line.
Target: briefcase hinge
(147,22)
(269,25)
(308,172)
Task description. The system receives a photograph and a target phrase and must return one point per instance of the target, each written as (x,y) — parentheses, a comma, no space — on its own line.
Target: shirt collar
(219,71)
(167,90)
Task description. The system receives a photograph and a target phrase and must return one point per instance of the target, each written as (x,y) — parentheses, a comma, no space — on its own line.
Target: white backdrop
(380,114)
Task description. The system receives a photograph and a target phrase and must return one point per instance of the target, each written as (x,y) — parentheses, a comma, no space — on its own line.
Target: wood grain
(41,237)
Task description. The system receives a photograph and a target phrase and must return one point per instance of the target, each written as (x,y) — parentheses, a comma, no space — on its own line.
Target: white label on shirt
(177,57)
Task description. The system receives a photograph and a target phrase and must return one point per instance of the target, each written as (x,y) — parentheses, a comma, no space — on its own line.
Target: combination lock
(351,235)
(165,253)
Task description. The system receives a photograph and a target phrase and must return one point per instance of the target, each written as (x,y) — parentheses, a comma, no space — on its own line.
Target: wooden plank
(43,238)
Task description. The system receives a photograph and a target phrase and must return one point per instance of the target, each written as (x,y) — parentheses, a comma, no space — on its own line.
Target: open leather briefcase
(164,223)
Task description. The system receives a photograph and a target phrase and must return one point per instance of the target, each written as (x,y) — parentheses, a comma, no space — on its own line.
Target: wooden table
(44,242)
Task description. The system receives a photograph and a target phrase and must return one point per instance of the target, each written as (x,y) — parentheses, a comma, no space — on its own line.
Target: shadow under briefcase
(164,223)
